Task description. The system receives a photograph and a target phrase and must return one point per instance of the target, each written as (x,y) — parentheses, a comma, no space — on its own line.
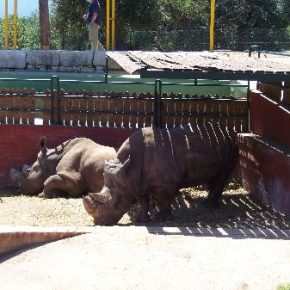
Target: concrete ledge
(76,58)
(99,58)
(15,238)
(53,60)
(42,58)
(10,59)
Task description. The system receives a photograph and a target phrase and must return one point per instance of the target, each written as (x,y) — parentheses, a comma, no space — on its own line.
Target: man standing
(94,23)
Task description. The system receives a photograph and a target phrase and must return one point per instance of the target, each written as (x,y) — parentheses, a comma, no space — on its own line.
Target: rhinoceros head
(30,179)
(109,205)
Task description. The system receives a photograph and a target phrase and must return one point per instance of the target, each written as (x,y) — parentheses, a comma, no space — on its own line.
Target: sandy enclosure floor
(237,210)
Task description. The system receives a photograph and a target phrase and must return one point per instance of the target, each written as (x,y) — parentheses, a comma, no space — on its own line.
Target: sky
(25,7)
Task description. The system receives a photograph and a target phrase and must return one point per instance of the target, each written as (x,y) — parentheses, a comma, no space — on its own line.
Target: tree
(44,24)
(177,24)
(239,23)
(68,24)
(28,32)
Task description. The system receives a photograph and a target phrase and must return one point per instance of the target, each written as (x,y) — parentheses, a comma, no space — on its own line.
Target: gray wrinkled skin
(159,162)
(73,168)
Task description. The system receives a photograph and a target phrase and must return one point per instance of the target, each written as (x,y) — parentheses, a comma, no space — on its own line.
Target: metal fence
(84,108)
(198,39)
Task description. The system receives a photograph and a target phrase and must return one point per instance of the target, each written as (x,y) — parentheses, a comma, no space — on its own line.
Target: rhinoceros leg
(143,214)
(165,197)
(216,187)
(63,182)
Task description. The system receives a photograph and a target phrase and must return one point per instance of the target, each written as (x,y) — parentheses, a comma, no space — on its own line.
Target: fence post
(157,122)
(248,125)
(106,69)
(54,116)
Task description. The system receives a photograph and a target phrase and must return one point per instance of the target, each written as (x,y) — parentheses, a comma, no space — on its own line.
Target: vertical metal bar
(6,25)
(108,24)
(157,120)
(212,24)
(54,116)
(248,104)
(113,23)
(15,25)
(51,100)
(106,69)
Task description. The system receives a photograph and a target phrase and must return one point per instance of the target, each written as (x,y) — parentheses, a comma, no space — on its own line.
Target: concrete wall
(265,153)
(54,60)
(269,119)
(265,171)
(19,144)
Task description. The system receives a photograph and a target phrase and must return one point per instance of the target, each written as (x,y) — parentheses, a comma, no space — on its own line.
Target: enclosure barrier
(277,91)
(85,108)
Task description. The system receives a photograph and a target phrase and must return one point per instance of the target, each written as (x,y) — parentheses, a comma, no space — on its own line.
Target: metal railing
(56,106)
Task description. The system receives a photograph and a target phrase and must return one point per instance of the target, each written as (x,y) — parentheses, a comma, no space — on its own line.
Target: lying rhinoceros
(73,168)
(160,162)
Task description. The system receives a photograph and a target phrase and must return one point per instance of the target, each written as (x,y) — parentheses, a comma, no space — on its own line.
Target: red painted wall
(265,171)
(269,120)
(264,155)
(19,144)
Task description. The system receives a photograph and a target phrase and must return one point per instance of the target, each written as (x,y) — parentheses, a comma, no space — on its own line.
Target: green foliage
(165,25)
(183,14)
(138,14)
(27,32)
(69,30)
(250,13)
(284,286)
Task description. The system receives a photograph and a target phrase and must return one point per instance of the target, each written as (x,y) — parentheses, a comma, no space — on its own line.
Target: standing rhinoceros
(73,168)
(160,162)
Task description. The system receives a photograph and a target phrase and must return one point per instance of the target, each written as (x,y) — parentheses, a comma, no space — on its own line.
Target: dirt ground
(237,210)
(103,259)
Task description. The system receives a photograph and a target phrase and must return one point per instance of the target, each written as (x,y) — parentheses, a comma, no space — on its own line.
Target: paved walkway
(151,258)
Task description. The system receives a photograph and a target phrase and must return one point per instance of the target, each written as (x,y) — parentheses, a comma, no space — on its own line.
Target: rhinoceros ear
(42,142)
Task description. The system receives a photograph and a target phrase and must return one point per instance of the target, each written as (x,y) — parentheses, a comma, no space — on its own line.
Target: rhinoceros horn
(15,175)
(100,197)
(89,204)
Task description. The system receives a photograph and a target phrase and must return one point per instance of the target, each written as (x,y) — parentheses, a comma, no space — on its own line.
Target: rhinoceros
(157,163)
(73,168)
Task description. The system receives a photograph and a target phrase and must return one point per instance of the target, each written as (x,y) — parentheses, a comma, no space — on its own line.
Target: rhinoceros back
(183,156)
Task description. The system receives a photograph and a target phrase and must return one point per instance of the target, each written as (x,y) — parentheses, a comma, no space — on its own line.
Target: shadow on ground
(237,210)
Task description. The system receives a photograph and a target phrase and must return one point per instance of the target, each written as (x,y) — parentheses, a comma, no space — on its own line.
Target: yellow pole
(113,23)
(212,20)
(108,24)
(15,25)
(6,25)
